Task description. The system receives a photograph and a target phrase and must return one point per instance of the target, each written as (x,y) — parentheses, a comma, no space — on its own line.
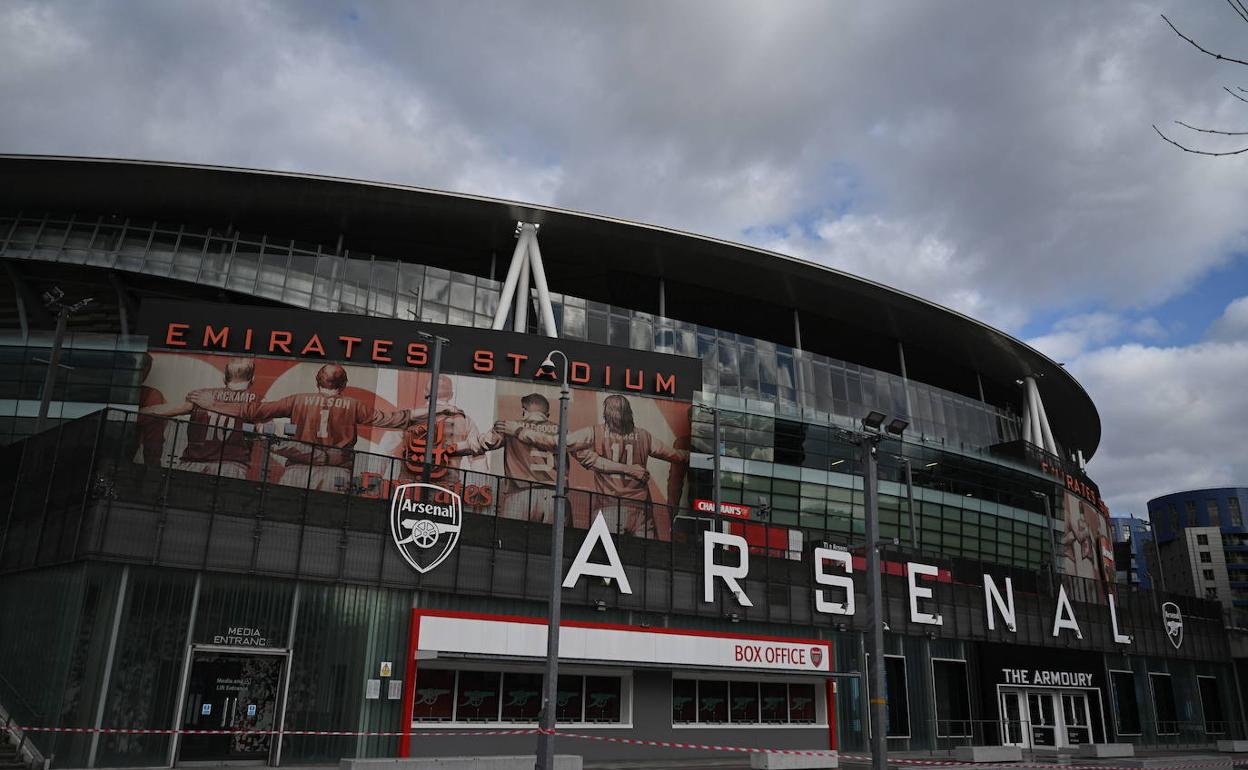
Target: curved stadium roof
(717,283)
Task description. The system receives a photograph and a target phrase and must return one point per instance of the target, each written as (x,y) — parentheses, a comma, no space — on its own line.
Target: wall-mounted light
(874,420)
(600,605)
(733,617)
(897,426)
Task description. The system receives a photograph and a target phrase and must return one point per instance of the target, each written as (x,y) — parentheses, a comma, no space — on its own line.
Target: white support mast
(1036,427)
(526,263)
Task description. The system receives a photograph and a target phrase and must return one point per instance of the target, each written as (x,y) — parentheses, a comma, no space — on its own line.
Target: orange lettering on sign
(173,337)
(417,354)
(220,339)
(313,346)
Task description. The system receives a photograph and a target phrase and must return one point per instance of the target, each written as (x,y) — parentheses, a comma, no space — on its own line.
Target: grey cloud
(997,157)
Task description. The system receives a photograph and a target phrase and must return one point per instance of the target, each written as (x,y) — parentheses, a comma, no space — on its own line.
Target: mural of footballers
(361,429)
(324,426)
(528,491)
(149,428)
(216,441)
(628,448)
(1086,541)
(456,441)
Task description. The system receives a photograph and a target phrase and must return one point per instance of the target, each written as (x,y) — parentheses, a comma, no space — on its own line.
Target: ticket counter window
(715,701)
(515,697)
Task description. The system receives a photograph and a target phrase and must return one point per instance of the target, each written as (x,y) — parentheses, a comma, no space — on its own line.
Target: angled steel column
(513,277)
(520,323)
(545,310)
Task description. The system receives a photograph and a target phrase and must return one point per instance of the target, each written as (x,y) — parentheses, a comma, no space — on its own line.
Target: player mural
(1088,550)
(344,428)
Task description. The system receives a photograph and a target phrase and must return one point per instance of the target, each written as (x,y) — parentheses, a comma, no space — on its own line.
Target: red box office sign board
(345,399)
(493,636)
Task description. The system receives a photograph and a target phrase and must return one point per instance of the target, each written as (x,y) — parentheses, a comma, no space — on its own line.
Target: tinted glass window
(522,697)
(953,705)
(602,699)
(435,696)
(1163,704)
(1127,709)
(477,699)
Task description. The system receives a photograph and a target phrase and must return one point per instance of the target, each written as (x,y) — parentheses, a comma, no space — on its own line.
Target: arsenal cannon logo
(1173,620)
(425,521)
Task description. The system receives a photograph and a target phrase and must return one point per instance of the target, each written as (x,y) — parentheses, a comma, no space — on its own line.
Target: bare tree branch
(1238,8)
(1201,48)
(1242,8)
(1212,130)
(1197,152)
(1237,96)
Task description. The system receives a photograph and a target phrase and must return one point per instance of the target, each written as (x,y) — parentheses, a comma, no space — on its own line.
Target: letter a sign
(425,521)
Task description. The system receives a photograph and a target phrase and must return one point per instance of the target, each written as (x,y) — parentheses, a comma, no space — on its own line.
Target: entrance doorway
(1044,718)
(231,691)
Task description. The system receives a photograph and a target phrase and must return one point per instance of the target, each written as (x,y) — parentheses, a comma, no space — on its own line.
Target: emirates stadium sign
(347,338)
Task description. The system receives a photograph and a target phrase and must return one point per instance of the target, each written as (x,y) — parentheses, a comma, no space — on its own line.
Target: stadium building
(212,529)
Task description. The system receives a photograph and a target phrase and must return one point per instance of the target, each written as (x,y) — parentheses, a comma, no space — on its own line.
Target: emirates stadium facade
(209,548)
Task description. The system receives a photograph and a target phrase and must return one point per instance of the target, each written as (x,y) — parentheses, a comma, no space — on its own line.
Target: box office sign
(492,635)
(346,338)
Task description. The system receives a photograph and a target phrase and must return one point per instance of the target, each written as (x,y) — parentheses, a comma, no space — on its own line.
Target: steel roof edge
(535,212)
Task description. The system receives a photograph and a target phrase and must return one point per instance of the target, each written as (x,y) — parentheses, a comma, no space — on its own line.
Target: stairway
(10,759)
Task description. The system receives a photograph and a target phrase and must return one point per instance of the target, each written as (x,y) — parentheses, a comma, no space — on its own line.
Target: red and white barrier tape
(331,733)
(602,739)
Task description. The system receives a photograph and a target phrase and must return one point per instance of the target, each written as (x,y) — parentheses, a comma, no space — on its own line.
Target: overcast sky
(994,157)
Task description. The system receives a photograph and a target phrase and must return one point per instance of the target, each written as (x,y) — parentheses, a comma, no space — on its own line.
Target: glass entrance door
(1013,719)
(1075,719)
(232,692)
(1042,713)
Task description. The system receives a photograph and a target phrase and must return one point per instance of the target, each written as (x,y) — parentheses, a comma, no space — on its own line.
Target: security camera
(547,366)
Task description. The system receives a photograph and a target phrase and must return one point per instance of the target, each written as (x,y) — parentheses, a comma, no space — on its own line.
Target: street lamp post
(868,439)
(546,719)
(914,536)
(435,374)
(875,594)
(1048,534)
(52,299)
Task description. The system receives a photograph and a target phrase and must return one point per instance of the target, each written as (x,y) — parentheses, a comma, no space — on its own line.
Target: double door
(231,707)
(1045,718)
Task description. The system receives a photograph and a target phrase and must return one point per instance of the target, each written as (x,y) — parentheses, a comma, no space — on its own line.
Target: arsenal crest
(425,521)
(1173,619)
(816,656)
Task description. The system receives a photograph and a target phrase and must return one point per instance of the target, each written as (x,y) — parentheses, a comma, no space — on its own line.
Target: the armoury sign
(390,342)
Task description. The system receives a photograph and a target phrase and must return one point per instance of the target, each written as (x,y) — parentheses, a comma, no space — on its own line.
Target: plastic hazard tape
(696,746)
(601,739)
(863,757)
(332,733)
